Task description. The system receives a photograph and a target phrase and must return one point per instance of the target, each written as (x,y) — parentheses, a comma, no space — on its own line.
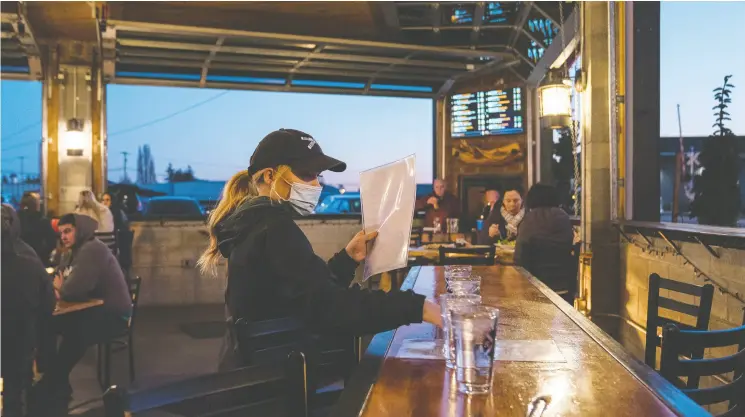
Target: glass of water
(451,270)
(465,284)
(474,331)
(449,302)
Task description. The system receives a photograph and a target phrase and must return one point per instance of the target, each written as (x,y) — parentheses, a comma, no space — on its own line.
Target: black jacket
(27,292)
(273,272)
(36,230)
(493,217)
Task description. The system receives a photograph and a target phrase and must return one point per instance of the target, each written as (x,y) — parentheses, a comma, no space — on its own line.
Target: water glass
(449,302)
(474,332)
(437,225)
(461,284)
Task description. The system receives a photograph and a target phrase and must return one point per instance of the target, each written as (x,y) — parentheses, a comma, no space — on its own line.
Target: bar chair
(415,239)
(701,313)
(474,256)
(329,359)
(554,263)
(104,349)
(268,390)
(110,240)
(673,365)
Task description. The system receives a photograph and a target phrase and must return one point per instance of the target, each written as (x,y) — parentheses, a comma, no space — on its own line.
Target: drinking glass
(474,331)
(452,225)
(464,284)
(449,302)
(455,271)
(437,225)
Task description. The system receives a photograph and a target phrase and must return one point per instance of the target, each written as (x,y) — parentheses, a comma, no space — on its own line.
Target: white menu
(388,194)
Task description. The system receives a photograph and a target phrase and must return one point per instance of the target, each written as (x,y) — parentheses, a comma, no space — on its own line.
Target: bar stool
(701,313)
(673,366)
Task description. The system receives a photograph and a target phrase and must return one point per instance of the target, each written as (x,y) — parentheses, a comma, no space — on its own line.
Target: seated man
(438,205)
(90,272)
(27,301)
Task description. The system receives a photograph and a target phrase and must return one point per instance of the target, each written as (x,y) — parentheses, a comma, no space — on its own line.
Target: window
(21,139)
(708,161)
(187,142)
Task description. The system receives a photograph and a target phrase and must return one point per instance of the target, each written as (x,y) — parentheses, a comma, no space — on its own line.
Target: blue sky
(699,43)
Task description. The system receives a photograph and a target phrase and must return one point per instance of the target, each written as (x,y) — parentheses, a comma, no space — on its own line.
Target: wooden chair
(702,313)
(474,256)
(104,349)
(677,342)
(270,390)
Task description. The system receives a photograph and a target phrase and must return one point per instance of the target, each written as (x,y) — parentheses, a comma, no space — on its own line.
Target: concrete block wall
(636,266)
(165,256)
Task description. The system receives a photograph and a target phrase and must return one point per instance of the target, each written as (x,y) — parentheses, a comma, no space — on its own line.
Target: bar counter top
(597,378)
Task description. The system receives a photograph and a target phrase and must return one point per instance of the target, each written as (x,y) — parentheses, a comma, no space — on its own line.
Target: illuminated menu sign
(495,112)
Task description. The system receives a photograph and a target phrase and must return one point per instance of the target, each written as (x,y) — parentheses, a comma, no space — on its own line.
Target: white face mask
(303,198)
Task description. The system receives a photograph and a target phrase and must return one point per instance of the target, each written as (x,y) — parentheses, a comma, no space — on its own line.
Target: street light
(555,94)
(75,137)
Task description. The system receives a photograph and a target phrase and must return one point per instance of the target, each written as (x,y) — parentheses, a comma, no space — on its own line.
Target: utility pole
(125,154)
(21,186)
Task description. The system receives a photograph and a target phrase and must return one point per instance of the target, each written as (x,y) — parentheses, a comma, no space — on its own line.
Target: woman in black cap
(272,269)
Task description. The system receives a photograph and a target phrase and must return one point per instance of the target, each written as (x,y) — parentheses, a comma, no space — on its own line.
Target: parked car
(174,207)
(340,204)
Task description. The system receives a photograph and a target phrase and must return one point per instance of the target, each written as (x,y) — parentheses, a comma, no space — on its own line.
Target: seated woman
(544,243)
(272,269)
(503,223)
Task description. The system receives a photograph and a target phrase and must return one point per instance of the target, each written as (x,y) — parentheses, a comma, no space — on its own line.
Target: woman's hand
(431,313)
(357,247)
(494,231)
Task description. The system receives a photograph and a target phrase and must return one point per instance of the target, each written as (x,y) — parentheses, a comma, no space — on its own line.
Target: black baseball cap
(293,148)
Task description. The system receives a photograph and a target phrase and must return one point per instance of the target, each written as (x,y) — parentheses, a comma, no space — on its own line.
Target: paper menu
(388,195)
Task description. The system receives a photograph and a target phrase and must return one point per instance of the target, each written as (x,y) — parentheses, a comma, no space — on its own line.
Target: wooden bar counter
(597,378)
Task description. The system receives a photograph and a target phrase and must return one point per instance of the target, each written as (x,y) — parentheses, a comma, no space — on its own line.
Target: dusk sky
(699,44)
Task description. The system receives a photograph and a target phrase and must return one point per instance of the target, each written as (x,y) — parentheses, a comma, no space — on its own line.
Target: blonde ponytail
(237,190)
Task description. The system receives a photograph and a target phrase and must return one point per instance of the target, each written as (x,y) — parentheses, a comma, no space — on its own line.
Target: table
(65,307)
(599,378)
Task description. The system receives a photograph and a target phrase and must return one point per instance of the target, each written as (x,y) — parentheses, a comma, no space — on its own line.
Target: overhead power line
(174,114)
(21,130)
(127,130)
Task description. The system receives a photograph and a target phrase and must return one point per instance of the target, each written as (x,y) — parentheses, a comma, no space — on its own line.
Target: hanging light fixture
(555,94)
(75,137)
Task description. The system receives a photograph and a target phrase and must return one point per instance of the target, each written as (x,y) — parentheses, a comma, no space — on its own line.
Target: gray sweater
(92,271)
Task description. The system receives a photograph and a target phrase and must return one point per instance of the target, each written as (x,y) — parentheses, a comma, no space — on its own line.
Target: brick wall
(165,257)
(636,266)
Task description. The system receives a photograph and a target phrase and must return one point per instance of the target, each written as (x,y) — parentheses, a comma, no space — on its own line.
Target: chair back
(272,390)
(551,262)
(701,313)
(676,343)
(415,239)
(110,240)
(468,256)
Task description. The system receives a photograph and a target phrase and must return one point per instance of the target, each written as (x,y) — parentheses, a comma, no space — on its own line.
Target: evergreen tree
(717,187)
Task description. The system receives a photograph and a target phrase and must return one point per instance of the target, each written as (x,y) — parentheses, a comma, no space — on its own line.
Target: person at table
(503,223)
(36,230)
(121,222)
(90,272)
(544,244)
(272,269)
(88,205)
(27,300)
(438,205)
(491,201)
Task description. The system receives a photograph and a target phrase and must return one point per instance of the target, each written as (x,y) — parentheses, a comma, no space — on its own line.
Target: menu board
(485,113)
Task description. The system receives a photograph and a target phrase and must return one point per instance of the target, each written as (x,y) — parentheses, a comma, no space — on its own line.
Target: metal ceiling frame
(568,36)
(23,32)
(151,52)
